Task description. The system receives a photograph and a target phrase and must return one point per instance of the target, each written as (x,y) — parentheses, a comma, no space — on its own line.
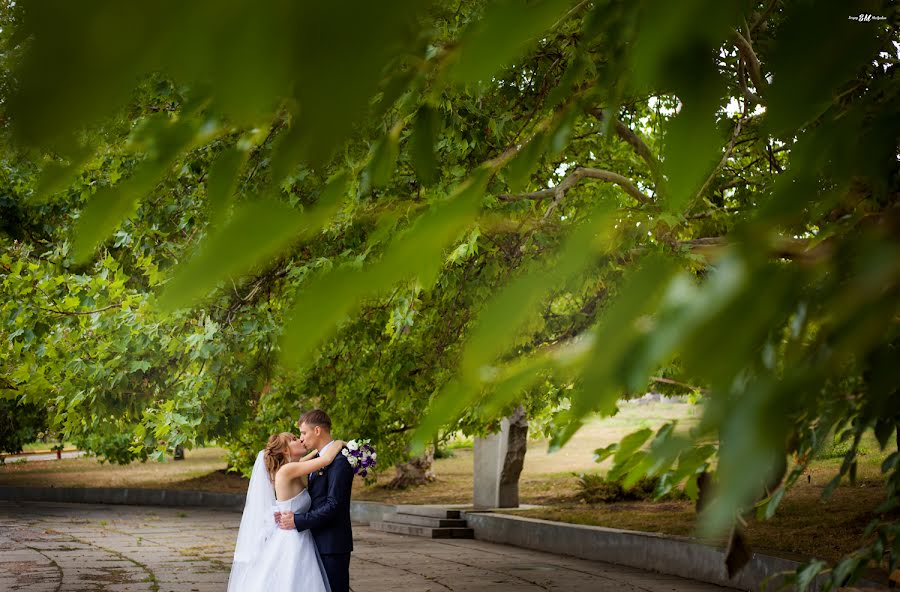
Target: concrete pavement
(69,547)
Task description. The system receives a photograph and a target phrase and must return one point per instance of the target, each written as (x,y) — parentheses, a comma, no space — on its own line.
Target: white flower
(352,460)
(352,445)
(373,456)
(344,451)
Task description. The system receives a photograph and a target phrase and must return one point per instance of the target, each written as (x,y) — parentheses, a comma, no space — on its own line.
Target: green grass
(46,446)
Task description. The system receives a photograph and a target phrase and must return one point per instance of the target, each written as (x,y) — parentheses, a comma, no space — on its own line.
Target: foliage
(840,448)
(429,214)
(596,489)
(20,424)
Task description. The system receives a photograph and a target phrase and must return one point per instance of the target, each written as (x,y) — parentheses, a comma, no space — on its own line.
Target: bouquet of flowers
(361,456)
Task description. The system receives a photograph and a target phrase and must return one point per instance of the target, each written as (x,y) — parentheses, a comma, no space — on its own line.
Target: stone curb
(360,512)
(668,555)
(127,496)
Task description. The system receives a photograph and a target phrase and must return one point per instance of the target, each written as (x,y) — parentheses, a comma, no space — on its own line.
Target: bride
(266,558)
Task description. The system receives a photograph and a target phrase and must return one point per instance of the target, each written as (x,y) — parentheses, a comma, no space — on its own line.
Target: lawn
(804,525)
(202,464)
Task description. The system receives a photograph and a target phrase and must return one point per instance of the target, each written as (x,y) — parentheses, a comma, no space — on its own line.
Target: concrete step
(429,511)
(423,531)
(416,520)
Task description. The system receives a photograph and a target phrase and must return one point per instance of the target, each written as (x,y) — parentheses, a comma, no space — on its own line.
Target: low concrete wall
(119,495)
(366,512)
(360,512)
(663,554)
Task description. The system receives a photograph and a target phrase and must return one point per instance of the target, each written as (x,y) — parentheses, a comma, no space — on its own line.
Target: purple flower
(362,456)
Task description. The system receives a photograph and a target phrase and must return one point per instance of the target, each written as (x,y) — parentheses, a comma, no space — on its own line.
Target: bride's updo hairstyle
(277,452)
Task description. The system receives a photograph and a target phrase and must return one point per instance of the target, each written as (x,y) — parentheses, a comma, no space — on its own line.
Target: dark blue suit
(328,520)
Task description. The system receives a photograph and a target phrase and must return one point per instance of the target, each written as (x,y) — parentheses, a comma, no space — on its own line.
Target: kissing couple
(305,483)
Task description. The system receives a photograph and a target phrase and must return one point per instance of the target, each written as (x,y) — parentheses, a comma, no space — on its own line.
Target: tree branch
(627,135)
(574,177)
(83,312)
(759,20)
(746,50)
(728,149)
(752,97)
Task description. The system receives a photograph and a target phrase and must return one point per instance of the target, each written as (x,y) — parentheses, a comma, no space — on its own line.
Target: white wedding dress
(267,558)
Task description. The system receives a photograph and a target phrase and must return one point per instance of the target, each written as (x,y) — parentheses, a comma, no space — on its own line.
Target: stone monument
(498,463)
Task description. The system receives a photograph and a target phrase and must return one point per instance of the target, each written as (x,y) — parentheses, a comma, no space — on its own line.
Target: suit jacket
(328,518)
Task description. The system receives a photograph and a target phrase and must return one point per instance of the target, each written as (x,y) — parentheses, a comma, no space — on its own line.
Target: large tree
(422,215)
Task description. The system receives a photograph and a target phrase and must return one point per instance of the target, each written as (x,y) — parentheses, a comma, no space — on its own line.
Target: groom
(328,517)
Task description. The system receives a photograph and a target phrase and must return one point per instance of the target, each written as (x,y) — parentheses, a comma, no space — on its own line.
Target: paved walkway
(74,547)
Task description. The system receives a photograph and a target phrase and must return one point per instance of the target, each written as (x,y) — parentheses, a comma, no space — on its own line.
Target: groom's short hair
(316,417)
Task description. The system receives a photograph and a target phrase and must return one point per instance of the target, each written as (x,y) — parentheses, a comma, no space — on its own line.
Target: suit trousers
(337,568)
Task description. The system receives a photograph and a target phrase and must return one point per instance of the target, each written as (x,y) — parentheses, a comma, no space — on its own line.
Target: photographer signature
(865,18)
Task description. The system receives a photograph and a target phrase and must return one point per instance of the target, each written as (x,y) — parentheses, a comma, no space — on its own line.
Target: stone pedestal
(498,463)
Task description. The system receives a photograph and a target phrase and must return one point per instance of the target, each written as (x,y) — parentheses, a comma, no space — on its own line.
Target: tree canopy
(420,215)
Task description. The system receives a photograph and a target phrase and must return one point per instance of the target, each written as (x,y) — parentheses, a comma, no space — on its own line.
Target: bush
(596,489)
(838,449)
(20,424)
(443,452)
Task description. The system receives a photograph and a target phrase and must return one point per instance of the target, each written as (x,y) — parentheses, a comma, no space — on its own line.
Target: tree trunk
(516,447)
(416,471)
(179,453)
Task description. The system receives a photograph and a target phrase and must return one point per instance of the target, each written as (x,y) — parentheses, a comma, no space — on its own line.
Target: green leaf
(841,573)
(257,231)
(110,206)
(503,33)
(523,164)
(773,503)
(562,131)
(384,158)
(602,454)
(616,332)
(446,405)
(505,314)
(569,428)
(563,89)
(891,462)
(807,573)
(141,365)
(513,382)
(425,131)
(222,182)
(56,177)
(331,297)
(630,444)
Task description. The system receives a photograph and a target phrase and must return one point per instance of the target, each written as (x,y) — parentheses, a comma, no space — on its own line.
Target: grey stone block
(366,512)
(428,521)
(430,511)
(423,531)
